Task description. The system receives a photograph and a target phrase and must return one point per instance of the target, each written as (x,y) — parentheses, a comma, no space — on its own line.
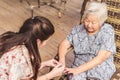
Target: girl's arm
(57,71)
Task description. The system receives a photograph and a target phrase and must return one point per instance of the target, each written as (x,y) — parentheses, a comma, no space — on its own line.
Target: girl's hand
(49,63)
(56,71)
(52,63)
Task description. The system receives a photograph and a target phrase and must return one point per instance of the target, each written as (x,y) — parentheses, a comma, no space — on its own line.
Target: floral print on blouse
(15,64)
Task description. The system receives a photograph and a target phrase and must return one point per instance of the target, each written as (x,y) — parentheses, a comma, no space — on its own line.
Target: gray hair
(97,8)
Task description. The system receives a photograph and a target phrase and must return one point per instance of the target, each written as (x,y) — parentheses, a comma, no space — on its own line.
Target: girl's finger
(59,65)
(66,72)
(55,62)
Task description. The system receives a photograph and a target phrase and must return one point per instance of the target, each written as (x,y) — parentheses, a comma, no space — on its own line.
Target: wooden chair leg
(21,1)
(28,3)
(83,9)
(38,3)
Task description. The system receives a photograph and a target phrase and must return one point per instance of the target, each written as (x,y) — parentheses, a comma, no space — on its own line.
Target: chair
(51,3)
(28,2)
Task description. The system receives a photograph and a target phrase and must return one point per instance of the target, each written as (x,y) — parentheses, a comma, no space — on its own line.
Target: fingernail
(59,66)
(65,69)
(66,72)
(55,62)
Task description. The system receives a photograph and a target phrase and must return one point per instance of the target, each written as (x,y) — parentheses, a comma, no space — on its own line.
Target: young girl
(19,55)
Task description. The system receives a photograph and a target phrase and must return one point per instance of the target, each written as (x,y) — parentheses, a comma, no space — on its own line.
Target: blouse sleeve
(109,41)
(20,68)
(73,32)
(70,37)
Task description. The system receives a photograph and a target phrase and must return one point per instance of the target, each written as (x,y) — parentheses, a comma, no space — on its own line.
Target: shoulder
(107,29)
(14,53)
(77,28)
(18,50)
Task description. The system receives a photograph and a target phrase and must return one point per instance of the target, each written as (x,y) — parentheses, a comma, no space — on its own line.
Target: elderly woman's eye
(87,21)
(93,22)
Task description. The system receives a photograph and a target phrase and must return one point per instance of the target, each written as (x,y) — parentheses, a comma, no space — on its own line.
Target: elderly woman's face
(91,23)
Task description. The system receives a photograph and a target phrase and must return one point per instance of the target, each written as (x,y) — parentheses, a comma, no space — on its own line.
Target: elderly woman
(94,45)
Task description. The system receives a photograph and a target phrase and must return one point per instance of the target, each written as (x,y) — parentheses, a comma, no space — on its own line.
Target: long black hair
(31,30)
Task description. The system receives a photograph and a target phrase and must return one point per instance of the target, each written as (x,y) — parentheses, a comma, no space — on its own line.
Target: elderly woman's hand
(58,70)
(73,71)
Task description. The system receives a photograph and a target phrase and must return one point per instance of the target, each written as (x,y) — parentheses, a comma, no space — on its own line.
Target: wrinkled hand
(73,71)
(58,70)
(49,63)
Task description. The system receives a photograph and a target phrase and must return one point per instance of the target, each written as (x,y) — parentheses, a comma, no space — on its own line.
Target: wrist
(62,60)
(44,63)
(48,76)
(45,77)
(77,70)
